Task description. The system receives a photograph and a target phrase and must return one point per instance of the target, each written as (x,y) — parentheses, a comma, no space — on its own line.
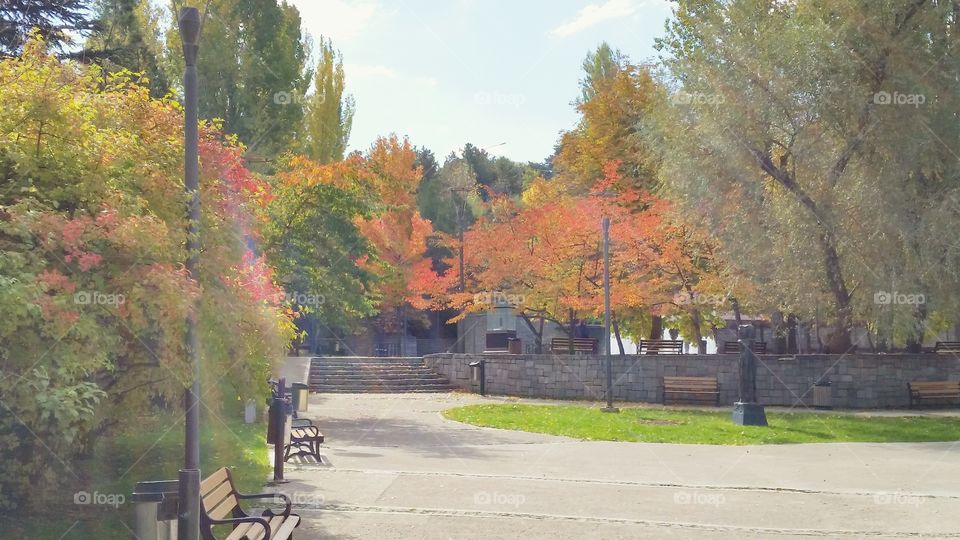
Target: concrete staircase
(355,374)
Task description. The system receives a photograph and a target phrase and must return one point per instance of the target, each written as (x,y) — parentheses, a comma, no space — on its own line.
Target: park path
(397,469)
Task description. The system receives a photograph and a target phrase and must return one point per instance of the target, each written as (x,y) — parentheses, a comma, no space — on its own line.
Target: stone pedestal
(749,414)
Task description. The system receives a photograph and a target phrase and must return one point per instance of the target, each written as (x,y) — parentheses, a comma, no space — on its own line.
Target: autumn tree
(397,231)
(92,241)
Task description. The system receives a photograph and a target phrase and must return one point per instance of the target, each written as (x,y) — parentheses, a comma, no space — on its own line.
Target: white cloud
(339,20)
(360,71)
(430,82)
(594,14)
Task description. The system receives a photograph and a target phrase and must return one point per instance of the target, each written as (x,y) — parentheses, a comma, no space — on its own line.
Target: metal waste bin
(514,346)
(822,395)
(301,392)
(156,507)
(273,421)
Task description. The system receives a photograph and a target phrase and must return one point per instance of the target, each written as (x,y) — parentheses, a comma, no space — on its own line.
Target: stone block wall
(858,380)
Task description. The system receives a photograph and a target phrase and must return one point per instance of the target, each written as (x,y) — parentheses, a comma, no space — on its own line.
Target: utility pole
(606,316)
(188,520)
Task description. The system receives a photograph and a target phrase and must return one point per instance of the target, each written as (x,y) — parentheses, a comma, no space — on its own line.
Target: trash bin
(272,422)
(250,412)
(156,508)
(514,346)
(301,392)
(822,396)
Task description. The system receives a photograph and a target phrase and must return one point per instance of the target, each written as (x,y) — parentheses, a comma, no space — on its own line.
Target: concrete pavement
(397,469)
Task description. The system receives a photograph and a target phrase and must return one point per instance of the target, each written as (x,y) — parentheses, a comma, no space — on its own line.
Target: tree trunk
(656,327)
(616,333)
(540,338)
(573,314)
(697,335)
(839,342)
(537,334)
(736,312)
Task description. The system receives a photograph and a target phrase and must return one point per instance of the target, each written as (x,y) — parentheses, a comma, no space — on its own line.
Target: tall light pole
(606,315)
(188,520)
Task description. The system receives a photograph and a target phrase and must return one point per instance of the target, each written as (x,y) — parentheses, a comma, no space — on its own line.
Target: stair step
(374,375)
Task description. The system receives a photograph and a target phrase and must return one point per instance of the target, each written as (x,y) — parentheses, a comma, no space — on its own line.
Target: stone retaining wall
(858,380)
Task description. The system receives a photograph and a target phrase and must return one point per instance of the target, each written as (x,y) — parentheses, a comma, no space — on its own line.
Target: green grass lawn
(153,450)
(704,427)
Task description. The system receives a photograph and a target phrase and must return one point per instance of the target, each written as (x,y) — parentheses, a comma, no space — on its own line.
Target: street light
(606,315)
(188,521)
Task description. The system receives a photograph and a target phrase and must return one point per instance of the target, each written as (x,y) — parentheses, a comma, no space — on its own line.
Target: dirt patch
(658,422)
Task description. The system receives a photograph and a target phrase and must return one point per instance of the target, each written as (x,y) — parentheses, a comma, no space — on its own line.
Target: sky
(498,74)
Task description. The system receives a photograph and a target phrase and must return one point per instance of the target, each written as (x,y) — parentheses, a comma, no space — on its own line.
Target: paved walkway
(398,469)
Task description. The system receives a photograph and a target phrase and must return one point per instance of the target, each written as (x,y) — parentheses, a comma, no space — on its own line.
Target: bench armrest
(236,521)
(286,500)
(302,422)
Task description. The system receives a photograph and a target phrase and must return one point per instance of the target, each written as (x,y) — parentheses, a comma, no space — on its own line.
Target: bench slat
(214,480)
(691,390)
(220,501)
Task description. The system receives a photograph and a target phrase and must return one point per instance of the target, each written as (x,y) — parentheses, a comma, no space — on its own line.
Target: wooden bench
(305,439)
(580,345)
(661,346)
(945,347)
(733,347)
(938,391)
(697,390)
(219,499)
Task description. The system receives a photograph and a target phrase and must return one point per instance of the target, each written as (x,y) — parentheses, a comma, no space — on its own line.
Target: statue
(746,411)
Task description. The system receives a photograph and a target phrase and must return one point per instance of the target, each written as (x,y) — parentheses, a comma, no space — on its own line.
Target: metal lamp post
(188,521)
(606,316)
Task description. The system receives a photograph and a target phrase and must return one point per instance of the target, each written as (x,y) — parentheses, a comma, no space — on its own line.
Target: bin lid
(156,491)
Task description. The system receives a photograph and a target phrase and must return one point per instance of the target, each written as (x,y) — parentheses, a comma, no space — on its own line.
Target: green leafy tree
(252,72)
(129,37)
(600,65)
(816,143)
(328,114)
(56,21)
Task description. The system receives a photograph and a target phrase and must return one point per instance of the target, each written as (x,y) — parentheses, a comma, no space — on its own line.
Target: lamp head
(189,23)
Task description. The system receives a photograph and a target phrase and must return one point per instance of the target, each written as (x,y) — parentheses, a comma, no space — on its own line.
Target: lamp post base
(609,409)
(749,414)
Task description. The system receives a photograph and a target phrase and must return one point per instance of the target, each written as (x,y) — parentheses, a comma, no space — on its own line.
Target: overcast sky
(483,71)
